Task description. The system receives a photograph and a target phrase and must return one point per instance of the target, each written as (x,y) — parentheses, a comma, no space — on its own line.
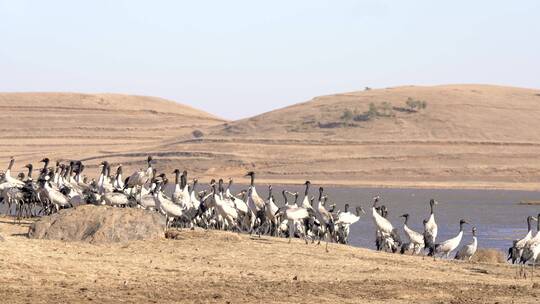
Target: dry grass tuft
(489,255)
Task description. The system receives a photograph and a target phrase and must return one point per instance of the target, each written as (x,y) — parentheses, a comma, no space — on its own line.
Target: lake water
(495,213)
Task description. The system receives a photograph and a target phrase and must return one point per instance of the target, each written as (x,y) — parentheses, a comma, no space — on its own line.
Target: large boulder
(99,224)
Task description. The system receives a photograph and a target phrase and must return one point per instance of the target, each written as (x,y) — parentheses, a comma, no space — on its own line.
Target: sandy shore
(222,267)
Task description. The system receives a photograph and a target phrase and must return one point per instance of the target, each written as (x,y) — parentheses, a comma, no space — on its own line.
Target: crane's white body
(431,227)
(383,225)
(467,251)
(449,245)
(415,238)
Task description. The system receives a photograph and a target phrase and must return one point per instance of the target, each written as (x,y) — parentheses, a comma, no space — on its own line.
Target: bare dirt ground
(223,267)
(469,136)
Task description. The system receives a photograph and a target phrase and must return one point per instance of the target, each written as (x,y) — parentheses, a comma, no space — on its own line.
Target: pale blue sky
(239,58)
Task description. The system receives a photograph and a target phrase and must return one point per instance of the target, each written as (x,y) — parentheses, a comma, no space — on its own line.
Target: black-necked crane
(227,212)
(271,211)
(255,204)
(325,219)
(517,249)
(446,247)
(345,219)
(430,226)
(466,252)
(55,197)
(11,181)
(118,183)
(416,239)
(295,216)
(141,177)
(166,206)
(306,202)
(390,236)
(531,249)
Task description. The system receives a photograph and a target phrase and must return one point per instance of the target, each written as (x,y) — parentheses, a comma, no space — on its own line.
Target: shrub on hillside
(197,133)
(415,105)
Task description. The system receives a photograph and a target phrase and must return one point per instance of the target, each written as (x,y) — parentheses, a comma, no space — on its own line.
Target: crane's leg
(291,229)
(326,247)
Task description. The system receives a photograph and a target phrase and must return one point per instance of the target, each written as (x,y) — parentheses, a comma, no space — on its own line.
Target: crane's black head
(212,182)
(462,221)
(162,176)
(149,159)
(176,171)
(474,231)
(29,166)
(45,160)
(406,215)
(307,183)
(250,173)
(346,207)
(432,202)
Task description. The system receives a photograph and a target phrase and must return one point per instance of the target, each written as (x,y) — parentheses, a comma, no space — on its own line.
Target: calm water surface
(495,213)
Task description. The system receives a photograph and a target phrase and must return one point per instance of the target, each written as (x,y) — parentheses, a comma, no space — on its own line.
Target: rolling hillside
(470,136)
(81,126)
(467,136)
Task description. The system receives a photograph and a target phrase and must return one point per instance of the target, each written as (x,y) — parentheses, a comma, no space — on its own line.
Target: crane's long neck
(320,194)
(177,178)
(11,162)
(184,179)
(252,183)
(431,205)
(194,186)
(529,225)
(406,220)
(285,198)
(30,167)
(461,227)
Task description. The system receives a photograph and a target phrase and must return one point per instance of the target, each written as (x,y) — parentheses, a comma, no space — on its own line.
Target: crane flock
(64,185)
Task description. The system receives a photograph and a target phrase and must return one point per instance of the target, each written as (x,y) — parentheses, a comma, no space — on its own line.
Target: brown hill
(472,136)
(468,136)
(79,126)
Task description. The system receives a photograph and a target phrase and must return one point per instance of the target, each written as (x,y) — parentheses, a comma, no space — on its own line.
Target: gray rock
(99,224)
